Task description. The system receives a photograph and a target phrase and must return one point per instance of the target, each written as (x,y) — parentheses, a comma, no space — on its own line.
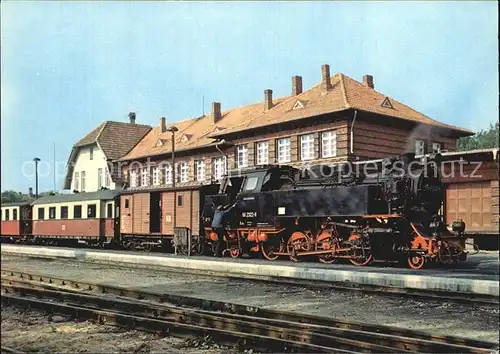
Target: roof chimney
(131,116)
(296,85)
(326,84)
(268,99)
(216,113)
(30,192)
(163,124)
(368,81)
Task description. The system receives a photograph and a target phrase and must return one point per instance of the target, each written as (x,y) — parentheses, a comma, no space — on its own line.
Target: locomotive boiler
(360,212)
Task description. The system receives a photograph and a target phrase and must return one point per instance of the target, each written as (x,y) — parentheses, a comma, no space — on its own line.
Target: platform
(479,275)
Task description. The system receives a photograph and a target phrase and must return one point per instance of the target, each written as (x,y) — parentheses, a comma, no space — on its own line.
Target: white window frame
(218,167)
(99,178)
(242,155)
(183,169)
(156,175)
(134,176)
(307,147)
(77,181)
(199,167)
(83,180)
(329,143)
(107,178)
(262,148)
(168,174)
(436,147)
(145,177)
(284,150)
(419,147)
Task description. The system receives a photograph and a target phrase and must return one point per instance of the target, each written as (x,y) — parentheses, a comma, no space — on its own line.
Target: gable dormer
(186,137)
(299,105)
(161,142)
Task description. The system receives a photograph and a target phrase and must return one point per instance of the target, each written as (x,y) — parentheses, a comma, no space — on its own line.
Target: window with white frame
(134,178)
(419,147)
(307,147)
(156,175)
(242,154)
(99,178)
(262,148)
(107,178)
(218,167)
(436,148)
(283,152)
(77,180)
(183,171)
(83,181)
(199,170)
(329,144)
(168,174)
(145,177)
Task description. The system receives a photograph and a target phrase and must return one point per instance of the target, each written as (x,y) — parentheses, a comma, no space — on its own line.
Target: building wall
(374,141)
(83,162)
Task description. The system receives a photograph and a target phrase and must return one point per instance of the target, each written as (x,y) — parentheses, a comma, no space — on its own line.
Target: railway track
(389,291)
(225,322)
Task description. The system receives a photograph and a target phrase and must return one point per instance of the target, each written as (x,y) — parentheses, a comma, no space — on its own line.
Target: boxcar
(84,217)
(16,221)
(150,218)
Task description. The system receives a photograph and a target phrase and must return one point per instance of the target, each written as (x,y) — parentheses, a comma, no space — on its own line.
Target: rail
(228,323)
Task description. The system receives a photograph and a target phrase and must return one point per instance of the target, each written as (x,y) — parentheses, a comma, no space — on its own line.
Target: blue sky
(68,66)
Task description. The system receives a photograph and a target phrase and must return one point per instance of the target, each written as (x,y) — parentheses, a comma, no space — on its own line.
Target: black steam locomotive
(360,212)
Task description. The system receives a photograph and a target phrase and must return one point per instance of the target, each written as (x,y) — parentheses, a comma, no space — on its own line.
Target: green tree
(10,196)
(484,139)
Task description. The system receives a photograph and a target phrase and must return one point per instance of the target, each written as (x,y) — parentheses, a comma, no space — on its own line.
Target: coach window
(179,200)
(7,214)
(14,214)
(77,212)
(109,210)
(251,183)
(52,212)
(64,212)
(41,213)
(91,211)
(126,203)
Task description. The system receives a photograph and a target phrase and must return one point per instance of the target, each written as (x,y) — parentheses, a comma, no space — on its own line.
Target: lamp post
(173,129)
(36,159)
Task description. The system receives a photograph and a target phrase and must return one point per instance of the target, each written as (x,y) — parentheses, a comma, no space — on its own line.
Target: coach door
(155,212)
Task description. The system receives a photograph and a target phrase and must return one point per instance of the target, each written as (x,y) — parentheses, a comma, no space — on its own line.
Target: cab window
(251,183)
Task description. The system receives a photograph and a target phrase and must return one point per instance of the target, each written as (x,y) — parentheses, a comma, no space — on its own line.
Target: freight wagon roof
(76,197)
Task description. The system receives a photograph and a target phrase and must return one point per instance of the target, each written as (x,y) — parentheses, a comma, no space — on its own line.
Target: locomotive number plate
(249,214)
(281,211)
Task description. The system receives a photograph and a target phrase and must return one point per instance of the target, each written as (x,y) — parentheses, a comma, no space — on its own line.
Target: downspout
(352,130)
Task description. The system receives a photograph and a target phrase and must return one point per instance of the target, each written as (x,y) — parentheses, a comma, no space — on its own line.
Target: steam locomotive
(388,210)
(359,212)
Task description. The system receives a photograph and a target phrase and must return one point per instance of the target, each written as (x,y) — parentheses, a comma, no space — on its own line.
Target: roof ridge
(344,91)
(126,123)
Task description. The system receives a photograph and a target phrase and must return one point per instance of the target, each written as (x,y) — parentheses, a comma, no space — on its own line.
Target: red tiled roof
(345,93)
